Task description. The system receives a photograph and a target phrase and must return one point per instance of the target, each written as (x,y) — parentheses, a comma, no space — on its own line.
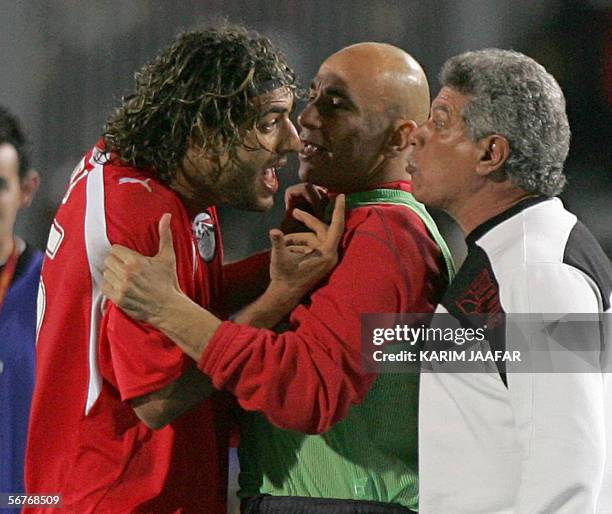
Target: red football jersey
(85,441)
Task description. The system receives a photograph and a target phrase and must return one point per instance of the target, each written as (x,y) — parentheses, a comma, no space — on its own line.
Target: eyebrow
(278,109)
(444,108)
(336,91)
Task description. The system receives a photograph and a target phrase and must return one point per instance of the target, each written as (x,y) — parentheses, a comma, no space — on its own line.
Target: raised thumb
(166,245)
(276,240)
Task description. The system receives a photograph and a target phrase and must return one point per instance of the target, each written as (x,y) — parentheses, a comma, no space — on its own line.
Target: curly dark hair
(11,132)
(201,87)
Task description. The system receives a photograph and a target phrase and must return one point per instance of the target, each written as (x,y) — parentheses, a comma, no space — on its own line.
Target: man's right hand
(141,285)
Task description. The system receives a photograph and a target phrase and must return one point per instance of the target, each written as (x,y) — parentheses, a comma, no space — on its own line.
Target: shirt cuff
(216,347)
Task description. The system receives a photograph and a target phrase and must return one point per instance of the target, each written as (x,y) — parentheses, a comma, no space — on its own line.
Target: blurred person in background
(122,420)
(492,155)
(19,274)
(321,435)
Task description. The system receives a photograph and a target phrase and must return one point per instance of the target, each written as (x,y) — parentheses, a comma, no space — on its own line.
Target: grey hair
(514,96)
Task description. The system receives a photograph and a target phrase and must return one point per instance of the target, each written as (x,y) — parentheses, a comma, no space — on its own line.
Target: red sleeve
(307,379)
(142,359)
(136,358)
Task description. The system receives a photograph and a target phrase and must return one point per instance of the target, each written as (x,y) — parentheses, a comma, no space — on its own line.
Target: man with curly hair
(118,421)
(323,434)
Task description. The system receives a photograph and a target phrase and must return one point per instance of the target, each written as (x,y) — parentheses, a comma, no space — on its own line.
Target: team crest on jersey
(204,232)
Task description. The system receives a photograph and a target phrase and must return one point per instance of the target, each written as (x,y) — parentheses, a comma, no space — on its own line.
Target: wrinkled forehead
(281,96)
(327,78)
(350,80)
(450,101)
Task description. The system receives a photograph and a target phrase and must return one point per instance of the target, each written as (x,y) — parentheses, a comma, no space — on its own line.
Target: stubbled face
(10,189)
(247,177)
(342,133)
(443,158)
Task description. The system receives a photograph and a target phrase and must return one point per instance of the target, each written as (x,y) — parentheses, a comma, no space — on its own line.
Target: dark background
(64,65)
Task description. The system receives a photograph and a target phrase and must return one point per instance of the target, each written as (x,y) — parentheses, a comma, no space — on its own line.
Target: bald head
(364,103)
(386,78)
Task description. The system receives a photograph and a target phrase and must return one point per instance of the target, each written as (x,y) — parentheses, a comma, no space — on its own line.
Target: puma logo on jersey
(131,180)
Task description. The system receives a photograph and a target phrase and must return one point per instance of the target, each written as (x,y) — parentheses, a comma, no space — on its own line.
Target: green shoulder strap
(399,197)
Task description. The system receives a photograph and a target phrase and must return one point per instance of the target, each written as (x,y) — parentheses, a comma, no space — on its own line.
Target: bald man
(322,435)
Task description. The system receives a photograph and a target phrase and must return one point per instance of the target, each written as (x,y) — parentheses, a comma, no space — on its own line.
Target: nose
(309,117)
(290,142)
(417,136)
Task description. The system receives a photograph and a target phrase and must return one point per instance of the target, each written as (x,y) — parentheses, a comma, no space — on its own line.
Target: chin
(429,200)
(307,172)
(265,205)
(313,176)
(260,203)
(304,172)
(418,191)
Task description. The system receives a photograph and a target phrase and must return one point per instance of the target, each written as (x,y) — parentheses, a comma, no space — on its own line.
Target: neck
(194,199)
(6,247)
(389,170)
(484,205)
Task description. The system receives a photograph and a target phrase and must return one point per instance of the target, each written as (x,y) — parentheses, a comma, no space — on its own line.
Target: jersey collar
(483,228)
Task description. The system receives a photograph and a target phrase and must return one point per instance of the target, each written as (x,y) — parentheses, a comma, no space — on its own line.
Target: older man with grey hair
(492,440)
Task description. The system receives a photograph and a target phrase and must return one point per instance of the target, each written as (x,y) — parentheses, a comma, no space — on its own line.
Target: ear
(494,152)
(29,186)
(399,139)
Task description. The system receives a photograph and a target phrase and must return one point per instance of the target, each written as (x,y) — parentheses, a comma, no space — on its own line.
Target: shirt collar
(483,228)
(404,185)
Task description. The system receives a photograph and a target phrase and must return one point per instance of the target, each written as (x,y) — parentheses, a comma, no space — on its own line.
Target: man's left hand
(299,261)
